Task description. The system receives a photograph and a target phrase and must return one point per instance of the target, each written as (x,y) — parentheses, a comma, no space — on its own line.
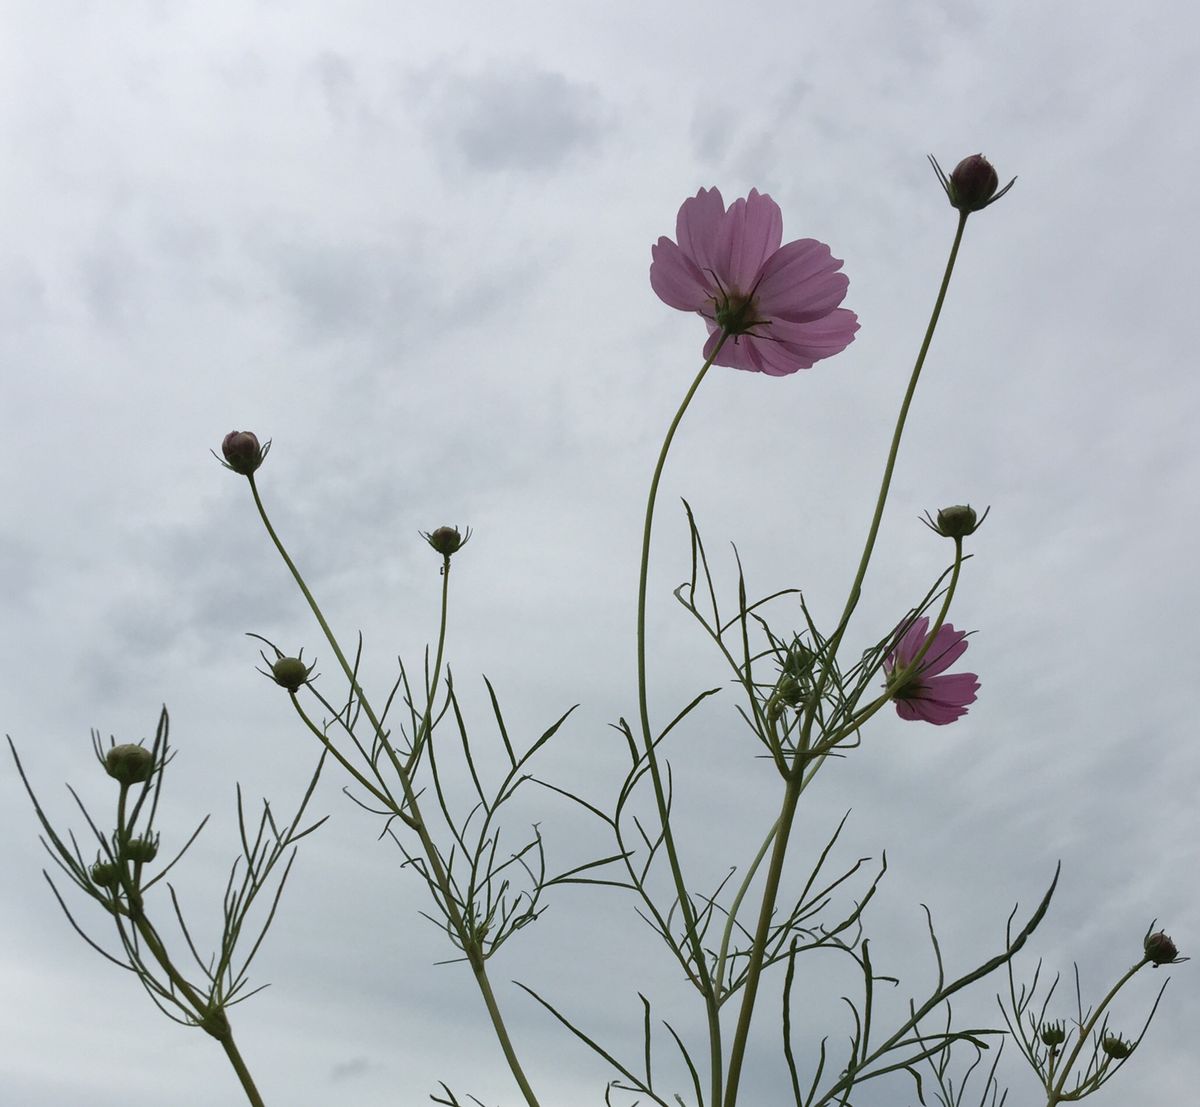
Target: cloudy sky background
(410,245)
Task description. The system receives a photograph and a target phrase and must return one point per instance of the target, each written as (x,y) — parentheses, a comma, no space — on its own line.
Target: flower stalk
(409,811)
(799,777)
(707,986)
(1056,1091)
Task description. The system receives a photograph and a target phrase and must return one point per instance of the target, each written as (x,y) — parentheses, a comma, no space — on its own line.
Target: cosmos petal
(676,279)
(750,234)
(947,648)
(698,225)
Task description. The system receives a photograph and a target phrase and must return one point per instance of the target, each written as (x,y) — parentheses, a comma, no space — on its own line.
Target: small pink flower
(925,694)
(778,304)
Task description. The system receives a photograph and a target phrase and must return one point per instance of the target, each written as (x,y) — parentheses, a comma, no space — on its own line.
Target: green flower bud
(799,661)
(447,540)
(242,452)
(129,764)
(789,690)
(106,874)
(1116,1047)
(1160,949)
(140,850)
(290,673)
(1053,1034)
(956,521)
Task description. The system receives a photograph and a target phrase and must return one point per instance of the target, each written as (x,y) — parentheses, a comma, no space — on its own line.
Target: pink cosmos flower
(778,304)
(926,694)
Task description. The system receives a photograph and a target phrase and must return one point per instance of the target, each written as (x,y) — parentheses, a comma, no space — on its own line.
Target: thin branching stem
(1056,1093)
(410,812)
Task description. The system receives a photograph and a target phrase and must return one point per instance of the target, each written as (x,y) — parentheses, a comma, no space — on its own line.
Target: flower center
(734,313)
(905,686)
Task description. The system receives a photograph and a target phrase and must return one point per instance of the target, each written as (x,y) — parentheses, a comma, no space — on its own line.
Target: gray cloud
(529,119)
(348,1070)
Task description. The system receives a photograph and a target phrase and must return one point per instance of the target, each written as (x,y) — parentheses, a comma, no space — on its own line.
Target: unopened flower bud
(1116,1047)
(956,521)
(789,690)
(1053,1034)
(799,661)
(290,673)
(106,874)
(140,850)
(129,764)
(1160,949)
(447,540)
(242,452)
(972,185)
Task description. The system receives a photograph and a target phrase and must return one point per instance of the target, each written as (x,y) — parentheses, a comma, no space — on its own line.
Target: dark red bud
(973,183)
(1160,949)
(242,452)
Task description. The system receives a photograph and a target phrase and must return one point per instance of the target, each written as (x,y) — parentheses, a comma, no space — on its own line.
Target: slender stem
(410,812)
(211,1019)
(797,781)
(510,1054)
(660,796)
(427,720)
(1056,1093)
(727,933)
(791,798)
(239,1066)
(889,468)
(338,756)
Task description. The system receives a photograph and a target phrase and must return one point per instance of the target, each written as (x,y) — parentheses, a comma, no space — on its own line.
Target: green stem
(797,782)
(239,1066)
(427,719)
(1056,1093)
(410,812)
(339,757)
(889,468)
(727,933)
(787,814)
(510,1054)
(681,892)
(212,1021)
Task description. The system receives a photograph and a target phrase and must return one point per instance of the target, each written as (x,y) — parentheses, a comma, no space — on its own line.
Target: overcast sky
(410,244)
